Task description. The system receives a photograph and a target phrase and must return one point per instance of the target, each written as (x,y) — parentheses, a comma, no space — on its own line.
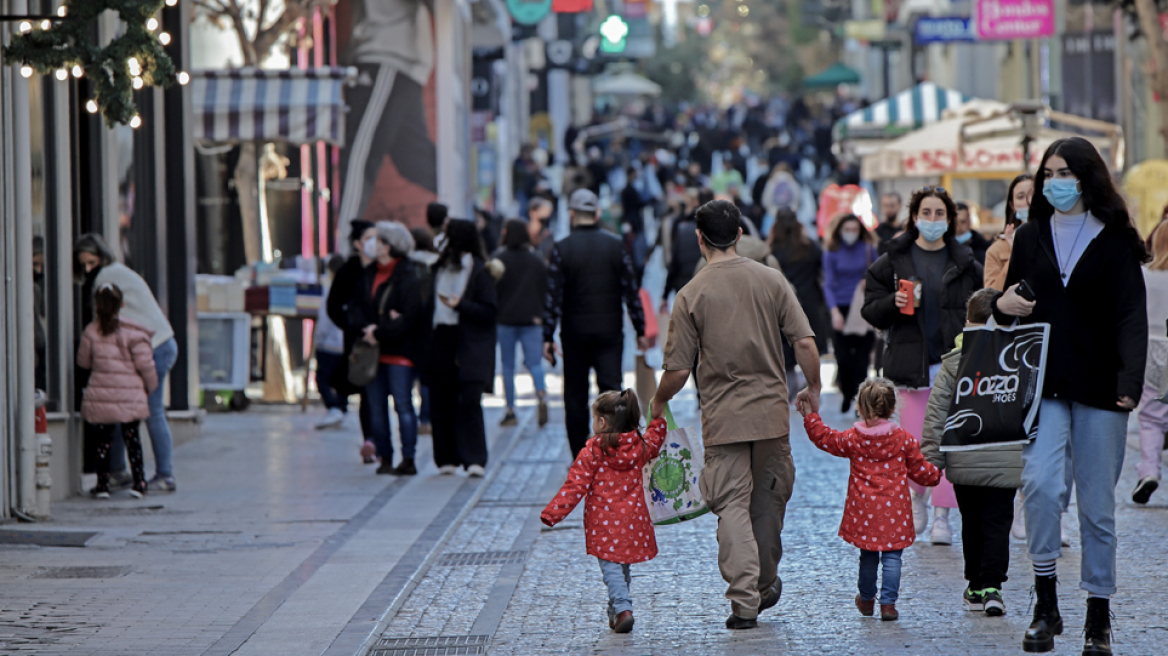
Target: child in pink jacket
(119,353)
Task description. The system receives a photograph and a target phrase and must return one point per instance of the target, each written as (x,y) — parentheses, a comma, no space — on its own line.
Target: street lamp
(1032,113)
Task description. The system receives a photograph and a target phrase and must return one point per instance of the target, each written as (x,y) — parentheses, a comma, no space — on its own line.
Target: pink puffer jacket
(123,373)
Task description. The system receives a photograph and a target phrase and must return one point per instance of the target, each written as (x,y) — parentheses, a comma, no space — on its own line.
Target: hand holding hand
(657,409)
(807,401)
(1014,305)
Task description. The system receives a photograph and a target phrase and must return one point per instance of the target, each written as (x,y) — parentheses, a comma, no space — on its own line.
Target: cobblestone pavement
(553,602)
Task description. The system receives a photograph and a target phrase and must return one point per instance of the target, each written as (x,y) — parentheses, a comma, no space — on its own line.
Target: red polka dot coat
(878,512)
(616,522)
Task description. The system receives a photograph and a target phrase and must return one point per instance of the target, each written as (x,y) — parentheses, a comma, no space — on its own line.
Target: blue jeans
(890,581)
(531,338)
(326,365)
(160,441)
(397,381)
(617,579)
(1096,439)
(424,412)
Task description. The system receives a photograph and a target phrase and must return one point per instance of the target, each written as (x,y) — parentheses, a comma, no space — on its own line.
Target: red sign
(571,6)
(835,200)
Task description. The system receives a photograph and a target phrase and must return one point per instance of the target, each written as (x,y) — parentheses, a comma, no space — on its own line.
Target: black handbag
(364,358)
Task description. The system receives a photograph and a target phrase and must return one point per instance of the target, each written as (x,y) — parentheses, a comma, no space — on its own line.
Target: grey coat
(996,466)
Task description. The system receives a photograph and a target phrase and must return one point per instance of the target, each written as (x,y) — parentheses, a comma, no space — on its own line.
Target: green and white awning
(902,113)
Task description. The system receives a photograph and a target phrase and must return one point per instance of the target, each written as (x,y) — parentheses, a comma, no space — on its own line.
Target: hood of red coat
(879,442)
(627,455)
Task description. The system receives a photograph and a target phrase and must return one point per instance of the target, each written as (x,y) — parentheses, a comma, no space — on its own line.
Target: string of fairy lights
(133,60)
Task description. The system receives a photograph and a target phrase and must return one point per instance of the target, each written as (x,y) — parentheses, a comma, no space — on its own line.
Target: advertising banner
(946,29)
(1014,19)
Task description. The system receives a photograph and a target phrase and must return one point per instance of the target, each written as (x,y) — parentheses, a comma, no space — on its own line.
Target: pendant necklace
(1063,265)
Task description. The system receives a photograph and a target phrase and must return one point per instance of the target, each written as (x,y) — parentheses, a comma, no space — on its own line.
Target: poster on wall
(389,163)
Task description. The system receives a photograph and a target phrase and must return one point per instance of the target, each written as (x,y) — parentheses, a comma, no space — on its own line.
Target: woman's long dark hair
(461,237)
(788,235)
(107,304)
(1100,195)
(914,206)
(834,238)
(1011,213)
(94,244)
(515,235)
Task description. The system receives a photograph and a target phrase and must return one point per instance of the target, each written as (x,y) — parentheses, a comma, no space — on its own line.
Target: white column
(452,22)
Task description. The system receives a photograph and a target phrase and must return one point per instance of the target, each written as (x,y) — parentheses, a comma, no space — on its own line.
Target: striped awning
(902,113)
(248,104)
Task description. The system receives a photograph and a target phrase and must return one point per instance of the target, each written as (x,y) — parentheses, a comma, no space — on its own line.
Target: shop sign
(1015,19)
(529,12)
(943,30)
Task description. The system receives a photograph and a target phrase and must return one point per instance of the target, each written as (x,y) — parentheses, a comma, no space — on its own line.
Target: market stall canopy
(980,137)
(835,75)
(624,83)
(902,113)
(297,106)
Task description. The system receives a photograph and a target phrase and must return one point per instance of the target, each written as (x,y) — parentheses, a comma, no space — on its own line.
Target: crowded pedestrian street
(323,559)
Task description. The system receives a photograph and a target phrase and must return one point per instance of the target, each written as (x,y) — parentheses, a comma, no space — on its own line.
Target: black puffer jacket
(402,335)
(906,359)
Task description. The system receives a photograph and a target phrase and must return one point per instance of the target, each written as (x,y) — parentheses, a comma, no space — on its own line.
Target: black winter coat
(979,245)
(477,311)
(344,289)
(906,358)
(1098,321)
(522,288)
(402,335)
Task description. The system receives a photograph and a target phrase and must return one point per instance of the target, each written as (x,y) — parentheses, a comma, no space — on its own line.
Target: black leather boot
(1047,621)
(1098,628)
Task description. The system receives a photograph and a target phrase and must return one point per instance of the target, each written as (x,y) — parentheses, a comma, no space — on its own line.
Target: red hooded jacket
(878,512)
(616,522)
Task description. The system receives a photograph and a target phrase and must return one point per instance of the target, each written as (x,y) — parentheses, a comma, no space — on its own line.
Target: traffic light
(613,31)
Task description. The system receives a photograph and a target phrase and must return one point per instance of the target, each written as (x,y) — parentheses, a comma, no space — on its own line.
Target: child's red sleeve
(832,441)
(579,480)
(654,438)
(920,471)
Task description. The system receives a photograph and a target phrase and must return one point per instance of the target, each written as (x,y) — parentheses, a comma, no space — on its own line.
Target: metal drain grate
(482,558)
(431,646)
(106,572)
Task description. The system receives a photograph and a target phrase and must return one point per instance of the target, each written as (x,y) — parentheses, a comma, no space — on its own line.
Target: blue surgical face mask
(1023,214)
(1063,193)
(932,230)
(961,239)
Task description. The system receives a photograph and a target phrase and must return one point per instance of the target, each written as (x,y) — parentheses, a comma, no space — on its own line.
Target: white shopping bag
(671,479)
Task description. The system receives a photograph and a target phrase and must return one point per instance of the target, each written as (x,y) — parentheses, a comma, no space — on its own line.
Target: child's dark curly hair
(876,399)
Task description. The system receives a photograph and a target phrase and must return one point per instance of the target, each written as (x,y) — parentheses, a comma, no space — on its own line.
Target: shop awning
(834,76)
(900,114)
(297,106)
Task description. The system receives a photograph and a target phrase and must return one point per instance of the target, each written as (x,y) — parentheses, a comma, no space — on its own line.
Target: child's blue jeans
(890,585)
(618,580)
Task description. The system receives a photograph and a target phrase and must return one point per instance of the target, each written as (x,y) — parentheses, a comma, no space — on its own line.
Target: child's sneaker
(994,606)
(888,613)
(867,607)
(623,622)
(974,599)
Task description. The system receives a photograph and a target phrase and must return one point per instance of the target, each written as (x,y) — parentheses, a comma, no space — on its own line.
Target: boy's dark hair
(961,206)
(718,222)
(436,214)
(876,399)
(980,307)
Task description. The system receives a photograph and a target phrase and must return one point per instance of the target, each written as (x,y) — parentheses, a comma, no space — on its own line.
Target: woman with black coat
(1081,256)
(341,293)
(801,261)
(944,275)
(462,350)
(521,293)
(389,303)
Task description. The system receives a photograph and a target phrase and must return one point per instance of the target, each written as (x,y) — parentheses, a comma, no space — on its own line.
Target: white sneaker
(476,471)
(1018,528)
(942,533)
(447,470)
(920,511)
(332,419)
(1066,531)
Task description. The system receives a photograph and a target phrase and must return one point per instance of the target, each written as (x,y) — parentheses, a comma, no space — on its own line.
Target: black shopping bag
(998,387)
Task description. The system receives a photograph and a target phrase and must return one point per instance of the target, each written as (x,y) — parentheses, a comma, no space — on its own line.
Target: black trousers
(852,354)
(583,353)
(986,515)
(456,409)
(105,438)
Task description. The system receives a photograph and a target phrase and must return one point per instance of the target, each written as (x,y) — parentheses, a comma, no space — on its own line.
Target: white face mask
(370,248)
(850,237)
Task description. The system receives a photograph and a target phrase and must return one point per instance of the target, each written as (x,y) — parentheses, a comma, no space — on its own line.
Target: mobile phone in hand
(909,289)
(1025,291)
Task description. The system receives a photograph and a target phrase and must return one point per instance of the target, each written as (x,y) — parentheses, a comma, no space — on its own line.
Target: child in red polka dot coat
(617,529)
(878,513)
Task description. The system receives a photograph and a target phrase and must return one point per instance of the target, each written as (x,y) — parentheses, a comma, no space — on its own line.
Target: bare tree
(1148,13)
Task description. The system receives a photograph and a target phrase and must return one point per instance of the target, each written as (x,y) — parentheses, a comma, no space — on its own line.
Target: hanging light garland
(133,60)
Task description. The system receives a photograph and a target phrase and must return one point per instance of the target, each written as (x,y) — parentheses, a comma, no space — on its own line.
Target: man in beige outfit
(730,321)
